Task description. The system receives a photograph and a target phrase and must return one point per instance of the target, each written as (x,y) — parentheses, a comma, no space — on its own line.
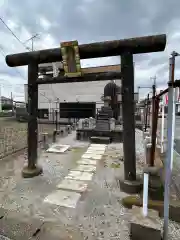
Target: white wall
(70,92)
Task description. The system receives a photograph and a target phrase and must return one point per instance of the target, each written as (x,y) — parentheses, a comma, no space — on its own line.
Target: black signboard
(77,109)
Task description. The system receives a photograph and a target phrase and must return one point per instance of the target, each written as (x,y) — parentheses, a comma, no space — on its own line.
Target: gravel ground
(99,213)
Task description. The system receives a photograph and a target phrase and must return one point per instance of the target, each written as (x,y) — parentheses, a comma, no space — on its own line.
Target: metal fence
(13,135)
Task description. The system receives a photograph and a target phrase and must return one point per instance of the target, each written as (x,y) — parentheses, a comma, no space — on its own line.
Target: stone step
(106,108)
(103,115)
(102,126)
(103,118)
(102,122)
(101,140)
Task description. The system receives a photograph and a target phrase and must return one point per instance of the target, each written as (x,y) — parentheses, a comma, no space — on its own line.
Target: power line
(13,34)
(4,55)
(23,44)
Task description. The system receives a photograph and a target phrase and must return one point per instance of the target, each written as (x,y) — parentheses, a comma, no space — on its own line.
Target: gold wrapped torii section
(71,59)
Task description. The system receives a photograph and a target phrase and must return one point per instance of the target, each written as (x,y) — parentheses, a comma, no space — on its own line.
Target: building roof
(5,98)
(108,68)
(48,67)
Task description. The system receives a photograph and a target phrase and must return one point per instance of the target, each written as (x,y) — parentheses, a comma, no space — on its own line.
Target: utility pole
(32,40)
(12,105)
(154,121)
(170,150)
(154,85)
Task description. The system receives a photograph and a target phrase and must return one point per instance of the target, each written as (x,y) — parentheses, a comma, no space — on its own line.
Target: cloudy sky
(89,21)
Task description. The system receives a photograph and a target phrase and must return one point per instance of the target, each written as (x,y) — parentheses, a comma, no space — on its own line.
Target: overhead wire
(23,44)
(13,34)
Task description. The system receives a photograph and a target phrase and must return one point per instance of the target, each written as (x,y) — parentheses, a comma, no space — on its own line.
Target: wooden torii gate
(125,48)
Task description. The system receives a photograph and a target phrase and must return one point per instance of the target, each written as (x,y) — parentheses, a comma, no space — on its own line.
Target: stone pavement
(94,211)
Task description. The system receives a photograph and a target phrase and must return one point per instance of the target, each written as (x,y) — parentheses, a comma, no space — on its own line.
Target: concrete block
(87,162)
(174,207)
(97,139)
(86,156)
(96,149)
(92,156)
(145,227)
(98,145)
(81,176)
(63,198)
(58,148)
(73,185)
(96,157)
(85,168)
(91,151)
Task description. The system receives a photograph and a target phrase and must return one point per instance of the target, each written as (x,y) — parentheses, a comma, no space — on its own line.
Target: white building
(72,92)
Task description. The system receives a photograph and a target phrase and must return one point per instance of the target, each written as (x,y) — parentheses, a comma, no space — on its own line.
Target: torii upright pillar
(129,183)
(32,170)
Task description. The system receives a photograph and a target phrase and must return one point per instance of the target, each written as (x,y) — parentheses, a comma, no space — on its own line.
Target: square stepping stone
(85,168)
(81,176)
(58,148)
(63,198)
(96,148)
(94,153)
(96,157)
(87,156)
(73,185)
(98,145)
(87,162)
(92,156)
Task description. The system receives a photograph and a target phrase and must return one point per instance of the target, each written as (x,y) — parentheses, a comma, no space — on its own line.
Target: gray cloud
(90,20)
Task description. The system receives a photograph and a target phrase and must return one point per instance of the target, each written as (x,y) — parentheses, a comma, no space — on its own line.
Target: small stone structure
(103,129)
(145,227)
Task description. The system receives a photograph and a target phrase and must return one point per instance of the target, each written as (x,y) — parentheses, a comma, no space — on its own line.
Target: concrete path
(56,206)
